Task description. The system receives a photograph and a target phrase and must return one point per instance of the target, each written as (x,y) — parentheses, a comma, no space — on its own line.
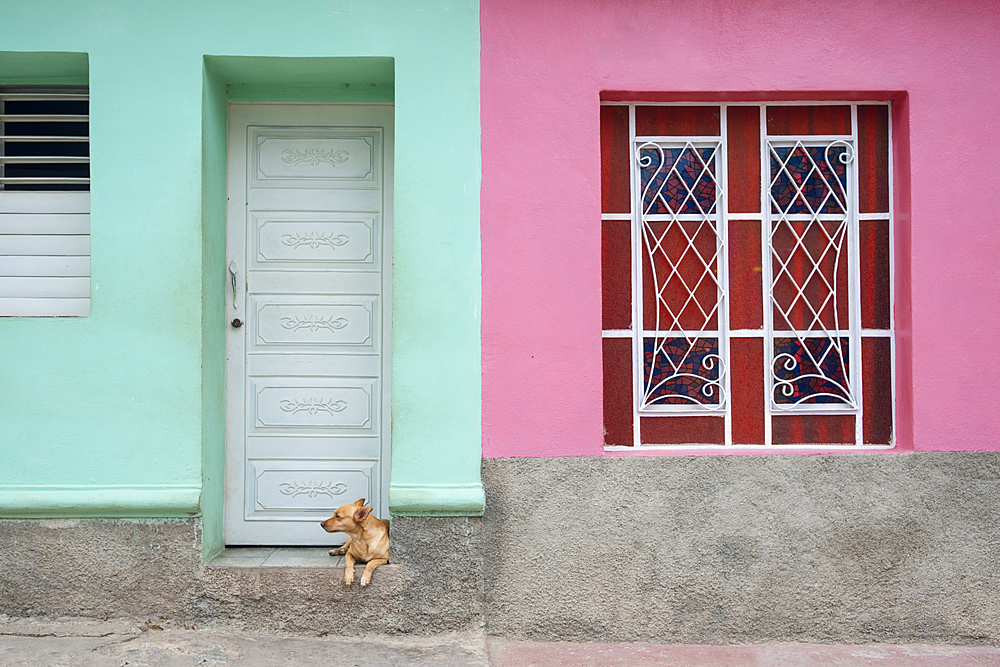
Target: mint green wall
(120,413)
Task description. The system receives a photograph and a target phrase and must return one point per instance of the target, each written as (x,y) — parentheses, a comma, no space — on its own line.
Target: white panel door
(309,242)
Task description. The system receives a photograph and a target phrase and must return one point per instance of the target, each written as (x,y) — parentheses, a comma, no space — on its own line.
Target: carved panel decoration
(307,488)
(318,322)
(322,404)
(315,157)
(314,238)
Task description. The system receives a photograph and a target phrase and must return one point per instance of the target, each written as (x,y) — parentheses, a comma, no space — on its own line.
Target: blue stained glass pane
(684,183)
(810,371)
(681,373)
(808,174)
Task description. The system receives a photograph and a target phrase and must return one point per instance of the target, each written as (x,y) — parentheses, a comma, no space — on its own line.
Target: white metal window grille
(683,352)
(44,201)
(816,351)
(810,210)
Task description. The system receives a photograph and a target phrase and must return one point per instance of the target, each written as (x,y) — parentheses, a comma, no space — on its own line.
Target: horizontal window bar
(653,139)
(683,217)
(44,159)
(806,217)
(677,410)
(45,118)
(32,139)
(44,181)
(750,103)
(759,333)
(810,140)
(44,97)
(820,409)
(693,446)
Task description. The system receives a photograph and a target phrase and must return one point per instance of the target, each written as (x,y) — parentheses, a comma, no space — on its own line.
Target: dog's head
(347,517)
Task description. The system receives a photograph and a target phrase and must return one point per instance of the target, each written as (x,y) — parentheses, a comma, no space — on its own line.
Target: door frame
(236,203)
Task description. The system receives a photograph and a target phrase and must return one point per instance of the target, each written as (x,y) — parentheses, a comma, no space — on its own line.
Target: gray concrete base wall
(846,548)
(743,549)
(150,570)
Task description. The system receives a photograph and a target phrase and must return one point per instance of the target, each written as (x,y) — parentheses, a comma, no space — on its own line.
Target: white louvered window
(44,202)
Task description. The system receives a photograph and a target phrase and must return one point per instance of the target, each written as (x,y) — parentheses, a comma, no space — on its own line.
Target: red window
(747,278)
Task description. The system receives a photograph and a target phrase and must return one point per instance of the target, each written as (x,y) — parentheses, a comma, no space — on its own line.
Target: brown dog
(367,539)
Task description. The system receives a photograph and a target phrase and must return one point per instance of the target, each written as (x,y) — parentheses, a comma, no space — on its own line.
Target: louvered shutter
(44,202)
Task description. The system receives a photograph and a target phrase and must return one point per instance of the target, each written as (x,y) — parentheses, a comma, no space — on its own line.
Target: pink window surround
(542,83)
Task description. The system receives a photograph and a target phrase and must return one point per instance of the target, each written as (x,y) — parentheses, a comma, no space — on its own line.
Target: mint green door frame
(436,431)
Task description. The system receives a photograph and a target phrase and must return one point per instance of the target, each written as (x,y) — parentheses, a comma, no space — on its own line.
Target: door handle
(232,272)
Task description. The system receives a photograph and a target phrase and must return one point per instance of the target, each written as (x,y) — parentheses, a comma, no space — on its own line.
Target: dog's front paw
(365,579)
(349,577)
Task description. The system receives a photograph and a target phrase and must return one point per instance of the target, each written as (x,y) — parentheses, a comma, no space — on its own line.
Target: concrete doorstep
(82,642)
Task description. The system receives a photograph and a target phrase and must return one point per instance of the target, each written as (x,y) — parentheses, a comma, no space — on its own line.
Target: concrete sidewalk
(92,643)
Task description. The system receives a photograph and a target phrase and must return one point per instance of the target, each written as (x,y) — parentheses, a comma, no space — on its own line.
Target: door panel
(307,375)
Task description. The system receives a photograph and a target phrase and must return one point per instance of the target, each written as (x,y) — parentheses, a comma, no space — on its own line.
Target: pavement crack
(119,642)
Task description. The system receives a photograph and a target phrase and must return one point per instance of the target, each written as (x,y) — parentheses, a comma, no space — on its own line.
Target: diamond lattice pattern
(809,225)
(682,293)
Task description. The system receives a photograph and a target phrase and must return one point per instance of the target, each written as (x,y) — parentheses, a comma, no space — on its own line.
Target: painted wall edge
(437,499)
(39,502)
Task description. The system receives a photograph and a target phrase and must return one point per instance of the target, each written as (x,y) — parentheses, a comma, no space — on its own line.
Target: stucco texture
(545,68)
(841,549)
(151,570)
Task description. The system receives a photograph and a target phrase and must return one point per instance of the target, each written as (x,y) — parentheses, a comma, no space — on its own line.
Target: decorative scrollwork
(314,240)
(312,489)
(684,372)
(846,156)
(313,323)
(314,156)
(815,371)
(312,406)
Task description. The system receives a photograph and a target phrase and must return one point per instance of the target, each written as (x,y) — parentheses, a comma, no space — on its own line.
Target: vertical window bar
(854,284)
(892,276)
(637,323)
(765,264)
(722,208)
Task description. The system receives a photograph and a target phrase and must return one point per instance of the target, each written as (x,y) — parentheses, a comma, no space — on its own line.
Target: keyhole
(237,323)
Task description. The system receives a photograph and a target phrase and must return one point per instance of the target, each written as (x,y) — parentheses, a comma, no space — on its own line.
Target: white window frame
(764,218)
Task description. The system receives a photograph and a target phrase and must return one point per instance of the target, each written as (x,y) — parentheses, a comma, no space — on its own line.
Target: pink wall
(544,68)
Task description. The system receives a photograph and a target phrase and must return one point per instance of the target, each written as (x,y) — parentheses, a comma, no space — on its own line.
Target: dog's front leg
(366,576)
(348,569)
(342,549)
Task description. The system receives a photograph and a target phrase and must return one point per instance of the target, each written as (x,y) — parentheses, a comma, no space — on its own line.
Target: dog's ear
(362,514)
(360,502)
